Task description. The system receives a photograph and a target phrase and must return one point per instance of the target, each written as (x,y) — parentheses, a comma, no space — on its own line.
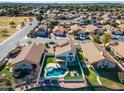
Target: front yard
(6,72)
(109,78)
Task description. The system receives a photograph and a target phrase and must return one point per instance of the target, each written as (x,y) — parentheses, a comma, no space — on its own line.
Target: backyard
(75,69)
(48,59)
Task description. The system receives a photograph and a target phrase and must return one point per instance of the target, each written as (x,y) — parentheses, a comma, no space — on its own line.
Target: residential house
(42,31)
(28,59)
(65,51)
(94,56)
(59,31)
(77,30)
(114,30)
(118,49)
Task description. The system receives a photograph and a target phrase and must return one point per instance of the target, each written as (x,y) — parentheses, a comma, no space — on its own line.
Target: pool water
(54,72)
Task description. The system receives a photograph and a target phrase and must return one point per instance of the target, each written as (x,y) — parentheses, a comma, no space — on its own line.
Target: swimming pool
(56,72)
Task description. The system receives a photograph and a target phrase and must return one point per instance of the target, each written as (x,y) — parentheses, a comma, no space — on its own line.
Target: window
(23,66)
(70,53)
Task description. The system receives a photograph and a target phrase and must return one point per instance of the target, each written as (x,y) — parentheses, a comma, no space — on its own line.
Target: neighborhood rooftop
(91,53)
(30,53)
(64,46)
(119,48)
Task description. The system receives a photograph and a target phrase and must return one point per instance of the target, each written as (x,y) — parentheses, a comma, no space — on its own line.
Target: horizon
(61,1)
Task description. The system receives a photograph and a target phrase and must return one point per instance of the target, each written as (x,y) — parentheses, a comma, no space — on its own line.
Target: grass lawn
(90,76)
(109,78)
(74,68)
(48,59)
(6,72)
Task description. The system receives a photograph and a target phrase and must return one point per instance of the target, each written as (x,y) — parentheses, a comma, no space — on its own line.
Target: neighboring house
(59,31)
(94,21)
(114,30)
(66,51)
(28,59)
(77,30)
(42,31)
(118,50)
(94,57)
(114,22)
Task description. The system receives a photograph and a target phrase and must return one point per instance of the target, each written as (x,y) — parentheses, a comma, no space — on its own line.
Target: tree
(53,23)
(96,38)
(29,42)
(39,17)
(22,24)
(106,38)
(86,22)
(12,23)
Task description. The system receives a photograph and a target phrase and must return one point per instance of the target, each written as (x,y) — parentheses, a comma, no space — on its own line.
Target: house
(94,56)
(118,49)
(114,30)
(90,28)
(28,59)
(114,22)
(66,51)
(59,31)
(77,30)
(42,31)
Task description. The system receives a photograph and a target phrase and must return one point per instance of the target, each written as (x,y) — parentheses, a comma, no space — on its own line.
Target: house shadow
(109,73)
(85,69)
(2,66)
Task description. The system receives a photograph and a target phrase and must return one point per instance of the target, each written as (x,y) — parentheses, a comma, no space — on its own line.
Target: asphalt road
(6,46)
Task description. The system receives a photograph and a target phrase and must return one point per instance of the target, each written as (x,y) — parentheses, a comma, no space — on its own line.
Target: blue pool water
(54,72)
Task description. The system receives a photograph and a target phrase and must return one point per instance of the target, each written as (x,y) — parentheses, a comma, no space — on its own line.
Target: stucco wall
(105,63)
(22,65)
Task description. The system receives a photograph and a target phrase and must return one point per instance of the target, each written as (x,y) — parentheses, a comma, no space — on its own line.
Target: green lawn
(74,68)
(109,78)
(90,76)
(48,59)
(6,72)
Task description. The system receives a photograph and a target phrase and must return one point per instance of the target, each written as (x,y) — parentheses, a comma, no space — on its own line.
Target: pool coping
(58,77)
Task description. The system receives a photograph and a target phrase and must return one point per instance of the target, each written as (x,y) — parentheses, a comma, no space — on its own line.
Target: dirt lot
(4,21)
(4,24)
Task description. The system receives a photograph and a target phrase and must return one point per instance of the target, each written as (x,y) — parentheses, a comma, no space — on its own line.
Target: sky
(31,1)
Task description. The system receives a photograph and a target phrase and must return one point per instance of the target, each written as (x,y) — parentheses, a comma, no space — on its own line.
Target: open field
(4,25)
(4,21)
(10,32)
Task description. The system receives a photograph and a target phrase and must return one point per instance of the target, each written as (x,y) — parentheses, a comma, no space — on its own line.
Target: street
(7,45)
